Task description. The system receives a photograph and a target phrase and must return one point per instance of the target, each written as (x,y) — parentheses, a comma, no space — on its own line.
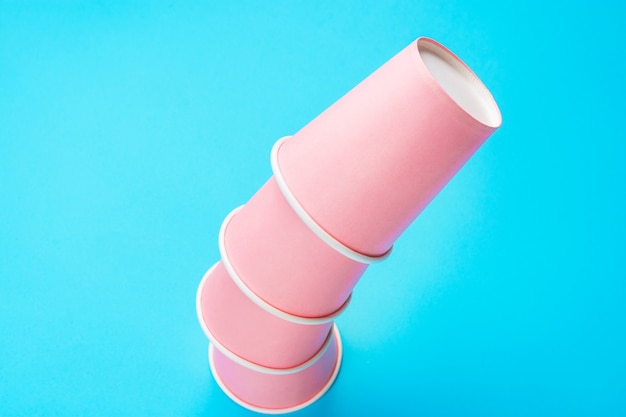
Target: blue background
(129,130)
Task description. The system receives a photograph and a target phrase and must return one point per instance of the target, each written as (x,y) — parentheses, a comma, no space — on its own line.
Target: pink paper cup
(280,262)
(369,164)
(266,391)
(246,332)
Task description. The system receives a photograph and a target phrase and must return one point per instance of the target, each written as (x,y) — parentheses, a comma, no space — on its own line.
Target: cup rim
(310,222)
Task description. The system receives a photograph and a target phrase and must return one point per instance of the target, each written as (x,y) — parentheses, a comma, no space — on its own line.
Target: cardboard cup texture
(370,163)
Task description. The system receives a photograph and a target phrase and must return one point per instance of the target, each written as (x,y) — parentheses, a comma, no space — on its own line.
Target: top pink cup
(370,163)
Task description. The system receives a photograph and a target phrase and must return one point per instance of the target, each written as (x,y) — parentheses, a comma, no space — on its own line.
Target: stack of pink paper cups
(344,188)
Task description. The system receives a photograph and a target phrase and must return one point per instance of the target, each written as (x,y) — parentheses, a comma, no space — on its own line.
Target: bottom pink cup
(247,332)
(266,391)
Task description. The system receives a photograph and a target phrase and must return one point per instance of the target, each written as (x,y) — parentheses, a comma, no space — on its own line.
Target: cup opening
(459,82)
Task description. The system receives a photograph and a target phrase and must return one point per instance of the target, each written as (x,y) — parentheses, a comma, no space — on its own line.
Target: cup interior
(459,82)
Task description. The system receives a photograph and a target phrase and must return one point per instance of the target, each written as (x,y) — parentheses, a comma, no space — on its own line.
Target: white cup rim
(312,224)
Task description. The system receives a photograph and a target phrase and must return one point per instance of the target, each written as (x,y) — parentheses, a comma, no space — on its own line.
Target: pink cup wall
(370,163)
(250,332)
(283,262)
(269,392)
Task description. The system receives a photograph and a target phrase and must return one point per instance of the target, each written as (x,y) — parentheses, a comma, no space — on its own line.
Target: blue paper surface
(128,130)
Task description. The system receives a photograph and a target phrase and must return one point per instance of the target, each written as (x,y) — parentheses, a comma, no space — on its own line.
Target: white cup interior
(459,82)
